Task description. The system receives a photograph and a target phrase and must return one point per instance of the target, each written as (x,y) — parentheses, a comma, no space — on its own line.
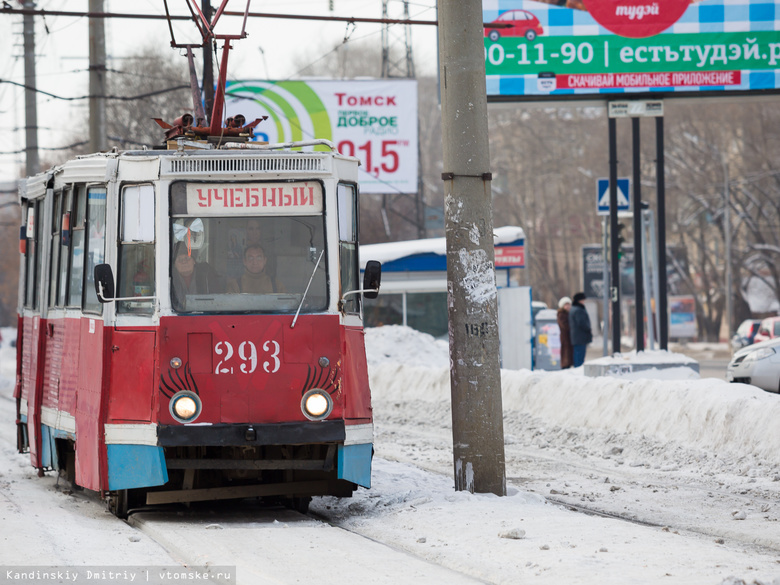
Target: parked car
(757,364)
(514,23)
(745,334)
(769,329)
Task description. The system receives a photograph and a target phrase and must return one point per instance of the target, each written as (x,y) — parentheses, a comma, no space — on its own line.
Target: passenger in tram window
(255,280)
(252,236)
(190,277)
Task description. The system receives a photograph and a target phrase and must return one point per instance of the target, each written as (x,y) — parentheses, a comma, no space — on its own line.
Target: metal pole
(646,282)
(605,287)
(638,256)
(656,273)
(477,419)
(98,141)
(663,315)
(727,230)
(613,236)
(32,160)
(208,67)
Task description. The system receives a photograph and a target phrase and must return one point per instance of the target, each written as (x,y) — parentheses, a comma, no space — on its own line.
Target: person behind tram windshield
(190,277)
(255,280)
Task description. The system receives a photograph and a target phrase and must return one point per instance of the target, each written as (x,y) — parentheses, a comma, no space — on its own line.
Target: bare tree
(545,163)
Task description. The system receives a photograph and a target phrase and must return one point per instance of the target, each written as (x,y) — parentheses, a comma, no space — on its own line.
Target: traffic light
(621,239)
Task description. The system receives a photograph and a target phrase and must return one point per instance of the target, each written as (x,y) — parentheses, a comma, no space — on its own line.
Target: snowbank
(706,414)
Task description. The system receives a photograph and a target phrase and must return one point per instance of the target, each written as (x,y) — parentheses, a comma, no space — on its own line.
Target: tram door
(89,397)
(32,386)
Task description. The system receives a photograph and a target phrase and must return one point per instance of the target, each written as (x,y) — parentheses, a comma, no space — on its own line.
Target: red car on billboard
(514,23)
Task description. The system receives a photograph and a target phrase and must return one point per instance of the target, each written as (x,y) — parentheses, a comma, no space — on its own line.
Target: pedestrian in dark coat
(579,325)
(567,351)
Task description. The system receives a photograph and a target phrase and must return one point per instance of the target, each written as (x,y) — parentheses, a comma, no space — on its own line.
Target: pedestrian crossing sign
(602,192)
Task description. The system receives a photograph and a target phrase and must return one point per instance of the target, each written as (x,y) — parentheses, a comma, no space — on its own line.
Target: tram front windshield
(240,263)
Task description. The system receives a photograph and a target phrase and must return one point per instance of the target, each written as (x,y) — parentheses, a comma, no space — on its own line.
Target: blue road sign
(602,195)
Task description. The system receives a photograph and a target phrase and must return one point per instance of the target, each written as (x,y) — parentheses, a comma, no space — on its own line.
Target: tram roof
(103,165)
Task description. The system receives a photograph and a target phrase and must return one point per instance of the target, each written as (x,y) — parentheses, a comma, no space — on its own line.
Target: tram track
(639,494)
(209,537)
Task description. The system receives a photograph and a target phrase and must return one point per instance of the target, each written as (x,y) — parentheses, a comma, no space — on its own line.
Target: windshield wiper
(303,298)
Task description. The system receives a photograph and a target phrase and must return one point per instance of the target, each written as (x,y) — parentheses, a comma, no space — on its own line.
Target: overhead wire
(107,97)
(347,39)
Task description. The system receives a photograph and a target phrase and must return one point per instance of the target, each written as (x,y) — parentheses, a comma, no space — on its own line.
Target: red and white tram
(190,325)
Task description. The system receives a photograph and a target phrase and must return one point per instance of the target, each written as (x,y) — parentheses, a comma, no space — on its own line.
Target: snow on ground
(709,414)
(696,464)
(695,454)
(42,520)
(524,539)
(657,356)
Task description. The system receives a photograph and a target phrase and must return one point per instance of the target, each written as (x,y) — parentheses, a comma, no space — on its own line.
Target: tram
(190,325)
(190,318)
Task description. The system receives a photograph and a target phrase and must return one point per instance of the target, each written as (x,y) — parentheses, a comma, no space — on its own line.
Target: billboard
(613,47)
(374,120)
(593,271)
(682,317)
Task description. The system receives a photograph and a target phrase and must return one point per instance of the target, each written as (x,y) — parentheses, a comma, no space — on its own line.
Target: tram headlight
(316,404)
(185,406)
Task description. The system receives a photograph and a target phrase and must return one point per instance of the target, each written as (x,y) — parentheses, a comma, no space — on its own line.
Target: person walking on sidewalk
(580,330)
(564,305)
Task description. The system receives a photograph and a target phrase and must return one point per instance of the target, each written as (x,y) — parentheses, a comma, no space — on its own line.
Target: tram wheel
(299,504)
(118,503)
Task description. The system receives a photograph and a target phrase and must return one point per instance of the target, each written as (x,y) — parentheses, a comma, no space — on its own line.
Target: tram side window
(96,245)
(78,222)
(348,254)
(31,260)
(136,253)
(55,249)
(64,245)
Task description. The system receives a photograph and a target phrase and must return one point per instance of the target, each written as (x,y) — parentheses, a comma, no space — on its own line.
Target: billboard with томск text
(604,48)
(374,120)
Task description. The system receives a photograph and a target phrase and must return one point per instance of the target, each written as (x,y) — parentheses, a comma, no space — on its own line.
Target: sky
(62,52)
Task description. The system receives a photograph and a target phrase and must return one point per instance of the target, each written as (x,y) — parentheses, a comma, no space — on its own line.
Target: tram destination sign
(608,48)
(220,199)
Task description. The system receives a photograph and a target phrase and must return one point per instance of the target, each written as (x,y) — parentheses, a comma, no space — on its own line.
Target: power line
(21,151)
(41,12)
(106,97)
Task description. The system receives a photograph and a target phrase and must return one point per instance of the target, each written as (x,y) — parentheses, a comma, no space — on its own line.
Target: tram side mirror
(104,283)
(372,278)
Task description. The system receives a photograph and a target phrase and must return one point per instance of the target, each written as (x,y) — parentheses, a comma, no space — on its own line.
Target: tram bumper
(351,445)
(346,450)
(239,435)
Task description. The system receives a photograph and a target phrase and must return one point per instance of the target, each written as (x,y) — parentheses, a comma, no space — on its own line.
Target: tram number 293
(247,354)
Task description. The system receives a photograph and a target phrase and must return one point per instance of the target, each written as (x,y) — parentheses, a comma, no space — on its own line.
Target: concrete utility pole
(98,141)
(32,160)
(477,416)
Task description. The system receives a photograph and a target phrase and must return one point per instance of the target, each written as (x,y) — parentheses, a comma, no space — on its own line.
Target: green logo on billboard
(294,108)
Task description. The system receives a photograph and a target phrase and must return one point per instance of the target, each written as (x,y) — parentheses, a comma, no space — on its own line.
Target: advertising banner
(607,47)
(374,120)
(682,317)
(510,256)
(593,271)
